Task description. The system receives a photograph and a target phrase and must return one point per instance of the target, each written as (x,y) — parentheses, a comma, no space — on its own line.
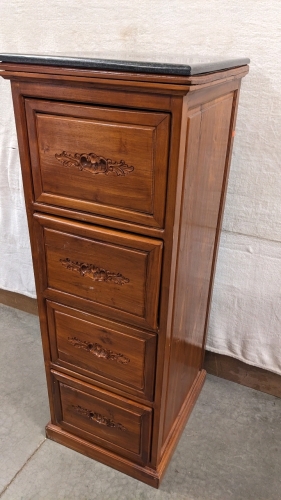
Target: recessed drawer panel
(100,417)
(117,274)
(114,354)
(104,161)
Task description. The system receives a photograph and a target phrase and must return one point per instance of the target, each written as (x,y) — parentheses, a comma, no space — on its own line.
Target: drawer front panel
(115,423)
(108,162)
(108,268)
(114,354)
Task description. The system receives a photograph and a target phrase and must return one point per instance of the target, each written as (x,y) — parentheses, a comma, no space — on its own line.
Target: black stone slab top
(183,65)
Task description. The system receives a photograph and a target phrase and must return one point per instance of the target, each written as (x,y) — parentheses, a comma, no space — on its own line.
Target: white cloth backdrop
(16,272)
(246,310)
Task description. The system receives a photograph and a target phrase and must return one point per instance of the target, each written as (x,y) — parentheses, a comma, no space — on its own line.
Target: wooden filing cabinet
(125,170)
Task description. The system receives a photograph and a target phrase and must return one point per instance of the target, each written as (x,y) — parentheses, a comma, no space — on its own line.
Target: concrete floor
(230,449)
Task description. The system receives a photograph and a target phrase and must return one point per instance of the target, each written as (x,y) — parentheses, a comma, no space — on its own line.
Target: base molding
(18,301)
(143,473)
(180,423)
(237,371)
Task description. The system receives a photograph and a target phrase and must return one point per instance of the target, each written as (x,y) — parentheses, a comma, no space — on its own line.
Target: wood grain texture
(122,356)
(125,179)
(18,301)
(149,475)
(98,416)
(216,364)
(137,259)
(241,373)
(178,137)
(209,130)
(59,132)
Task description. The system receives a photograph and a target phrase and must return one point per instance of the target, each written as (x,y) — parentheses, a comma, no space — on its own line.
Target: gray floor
(230,449)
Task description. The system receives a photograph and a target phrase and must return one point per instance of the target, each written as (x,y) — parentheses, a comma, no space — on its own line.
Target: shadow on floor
(230,449)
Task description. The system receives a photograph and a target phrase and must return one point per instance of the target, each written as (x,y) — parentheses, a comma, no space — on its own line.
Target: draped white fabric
(246,309)
(16,272)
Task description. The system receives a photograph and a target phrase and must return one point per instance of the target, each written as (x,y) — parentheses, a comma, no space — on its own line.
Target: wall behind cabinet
(246,310)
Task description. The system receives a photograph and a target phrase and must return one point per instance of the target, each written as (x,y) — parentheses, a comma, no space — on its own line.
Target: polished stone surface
(166,64)
(230,449)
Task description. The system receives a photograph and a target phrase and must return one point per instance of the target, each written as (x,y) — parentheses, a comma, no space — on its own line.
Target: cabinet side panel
(208,140)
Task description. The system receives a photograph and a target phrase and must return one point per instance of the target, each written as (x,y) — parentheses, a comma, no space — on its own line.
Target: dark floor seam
(25,463)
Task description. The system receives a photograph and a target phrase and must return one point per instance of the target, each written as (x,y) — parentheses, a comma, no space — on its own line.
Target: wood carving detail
(94,164)
(99,351)
(98,418)
(93,272)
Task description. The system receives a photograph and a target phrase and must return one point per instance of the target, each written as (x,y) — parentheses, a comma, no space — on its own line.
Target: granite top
(131,62)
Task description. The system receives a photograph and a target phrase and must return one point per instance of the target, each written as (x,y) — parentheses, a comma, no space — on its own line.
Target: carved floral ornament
(98,418)
(98,350)
(90,162)
(94,272)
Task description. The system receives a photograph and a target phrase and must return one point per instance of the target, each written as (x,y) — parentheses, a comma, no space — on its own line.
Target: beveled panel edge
(158,120)
(152,247)
(150,339)
(108,443)
(143,412)
(100,220)
(95,391)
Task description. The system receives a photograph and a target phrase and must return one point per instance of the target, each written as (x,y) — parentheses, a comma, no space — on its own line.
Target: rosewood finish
(98,350)
(93,163)
(93,272)
(125,176)
(131,180)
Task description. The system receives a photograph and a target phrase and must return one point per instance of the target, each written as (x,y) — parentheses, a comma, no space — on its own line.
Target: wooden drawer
(100,160)
(114,354)
(114,274)
(98,416)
